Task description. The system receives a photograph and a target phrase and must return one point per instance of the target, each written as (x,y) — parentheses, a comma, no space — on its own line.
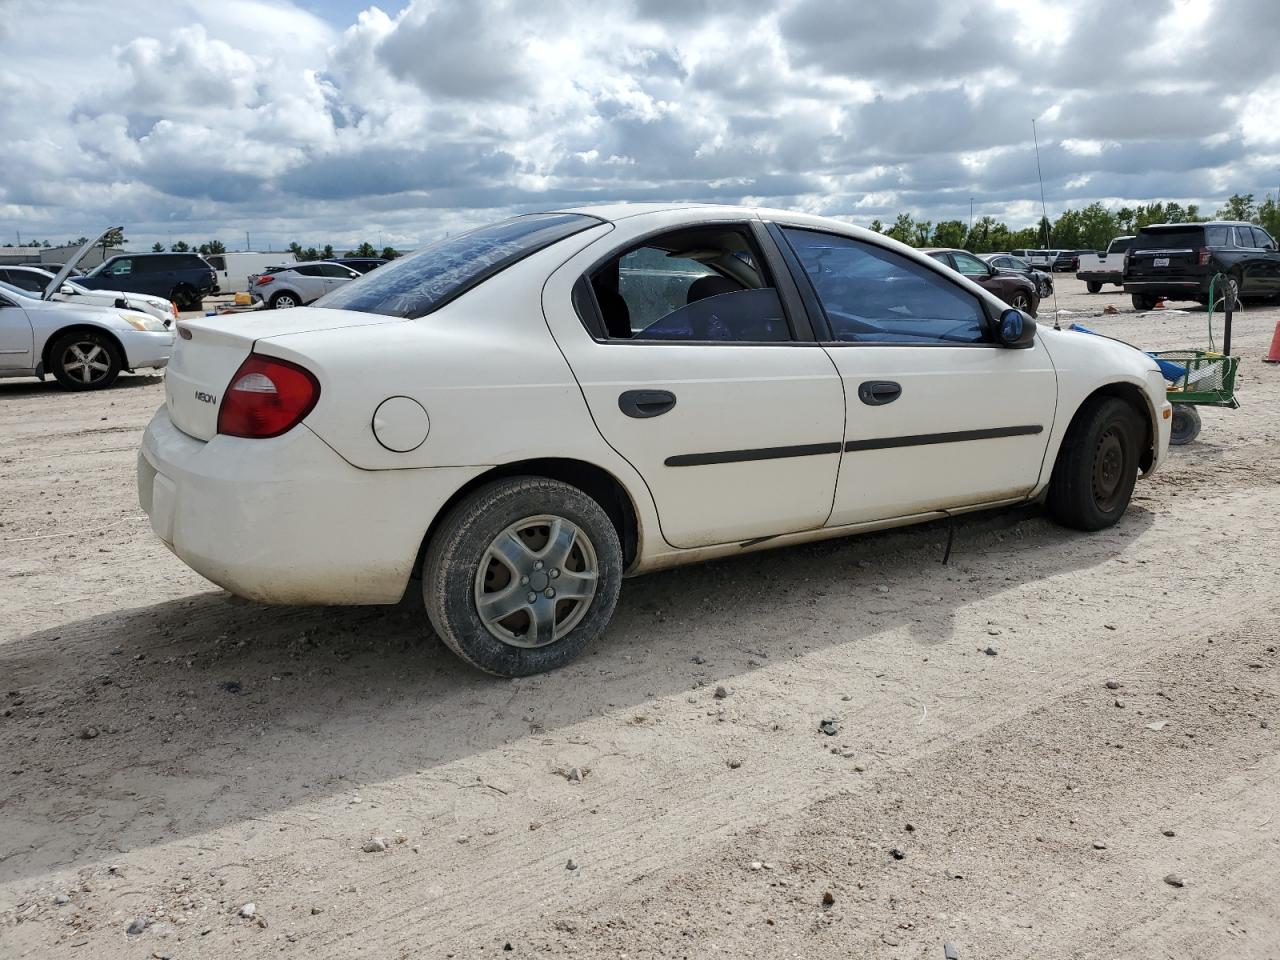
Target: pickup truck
(1095,269)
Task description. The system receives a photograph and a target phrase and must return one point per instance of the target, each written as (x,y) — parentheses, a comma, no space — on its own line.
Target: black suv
(184,278)
(1177,261)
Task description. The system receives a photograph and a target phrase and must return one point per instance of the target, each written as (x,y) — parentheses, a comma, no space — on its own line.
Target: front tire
(1093,286)
(1020,301)
(1097,466)
(85,360)
(285,300)
(522,575)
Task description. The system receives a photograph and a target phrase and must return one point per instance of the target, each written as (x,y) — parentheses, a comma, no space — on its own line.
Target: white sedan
(36,280)
(83,347)
(517,417)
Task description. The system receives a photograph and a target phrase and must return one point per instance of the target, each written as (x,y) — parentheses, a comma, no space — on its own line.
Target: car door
(937,416)
(1256,264)
(1269,255)
(696,374)
(16,337)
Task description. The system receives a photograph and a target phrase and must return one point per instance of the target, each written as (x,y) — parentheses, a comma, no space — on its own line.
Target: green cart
(1196,378)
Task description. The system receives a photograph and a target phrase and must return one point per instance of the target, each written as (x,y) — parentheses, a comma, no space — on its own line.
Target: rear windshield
(1169,238)
(415,285)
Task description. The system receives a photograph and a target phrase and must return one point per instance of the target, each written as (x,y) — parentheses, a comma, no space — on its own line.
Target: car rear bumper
(1187,288)
(287,520)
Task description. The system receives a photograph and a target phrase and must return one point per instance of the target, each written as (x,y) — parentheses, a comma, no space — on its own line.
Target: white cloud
(206,119)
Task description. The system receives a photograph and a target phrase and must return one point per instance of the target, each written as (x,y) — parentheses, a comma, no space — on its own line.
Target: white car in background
(300,284)
(524,414)
(35,280)
(83,347)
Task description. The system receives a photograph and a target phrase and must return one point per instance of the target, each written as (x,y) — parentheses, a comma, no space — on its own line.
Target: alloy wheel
(536,581)
(86,362)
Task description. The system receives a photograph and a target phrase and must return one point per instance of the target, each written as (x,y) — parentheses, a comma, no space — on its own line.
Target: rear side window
(1177,238)
(697,285)
(416,285)
(873,295)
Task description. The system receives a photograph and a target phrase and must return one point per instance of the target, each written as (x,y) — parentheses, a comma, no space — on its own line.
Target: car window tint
(1264,238)
(970,266)
(415,285)
(873,295)
(218,262)
(27,281)
(1245,238)
(120,268)
(699,284)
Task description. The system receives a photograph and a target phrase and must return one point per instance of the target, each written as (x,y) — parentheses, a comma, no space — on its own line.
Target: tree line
(1090,228)
(365,249)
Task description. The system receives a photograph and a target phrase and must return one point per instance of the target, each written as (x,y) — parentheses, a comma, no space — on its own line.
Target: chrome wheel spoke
(513,551)
(542,622)
(495,607)
(575,586)
(559,543)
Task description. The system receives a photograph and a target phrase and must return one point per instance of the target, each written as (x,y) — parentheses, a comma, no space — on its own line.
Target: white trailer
(235,269)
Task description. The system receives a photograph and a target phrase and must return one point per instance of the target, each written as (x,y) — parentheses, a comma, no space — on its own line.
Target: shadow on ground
(211,711)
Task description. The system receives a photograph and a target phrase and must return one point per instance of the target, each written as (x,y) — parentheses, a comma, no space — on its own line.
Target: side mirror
(1015,330)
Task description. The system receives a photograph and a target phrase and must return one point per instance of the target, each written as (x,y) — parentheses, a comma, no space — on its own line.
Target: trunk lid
(1157,253)
(204,362)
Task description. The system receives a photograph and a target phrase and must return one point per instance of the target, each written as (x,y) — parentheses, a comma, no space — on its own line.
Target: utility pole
(971,216)
(247,248)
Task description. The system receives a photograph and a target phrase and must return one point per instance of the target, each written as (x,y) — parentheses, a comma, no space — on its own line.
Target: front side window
(873,295)
(970,266)
(415,285)
(120,268)
(700,284)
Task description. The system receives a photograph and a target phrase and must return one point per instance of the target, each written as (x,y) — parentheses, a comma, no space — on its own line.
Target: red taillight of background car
(265,278)
(1203,259)
(266,397)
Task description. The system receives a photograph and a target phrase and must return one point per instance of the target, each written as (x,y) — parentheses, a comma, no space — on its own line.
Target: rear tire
(85,360)
(1097,466)
(1143,301)
(1093,286)
(1185,425)
(486,549)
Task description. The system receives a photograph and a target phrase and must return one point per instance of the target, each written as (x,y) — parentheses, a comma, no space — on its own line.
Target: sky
(325,121)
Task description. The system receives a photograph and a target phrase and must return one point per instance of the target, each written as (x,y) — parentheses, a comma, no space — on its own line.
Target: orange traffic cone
(1273,356)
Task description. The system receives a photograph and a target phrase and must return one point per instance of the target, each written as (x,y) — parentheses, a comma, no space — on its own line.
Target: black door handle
(877,393)
(643,404)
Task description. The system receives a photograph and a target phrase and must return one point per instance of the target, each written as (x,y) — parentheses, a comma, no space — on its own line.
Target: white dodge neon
(524,414)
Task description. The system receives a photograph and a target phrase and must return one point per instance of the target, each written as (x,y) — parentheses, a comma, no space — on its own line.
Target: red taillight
(265,278)
(266,397)
(1204,257)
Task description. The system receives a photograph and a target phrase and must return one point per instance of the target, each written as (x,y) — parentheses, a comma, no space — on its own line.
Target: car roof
(28,266)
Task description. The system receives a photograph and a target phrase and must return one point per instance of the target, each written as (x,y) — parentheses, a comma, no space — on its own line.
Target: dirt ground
(1031,743)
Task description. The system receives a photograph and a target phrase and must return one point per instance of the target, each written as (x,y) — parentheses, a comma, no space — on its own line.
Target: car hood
(56,283)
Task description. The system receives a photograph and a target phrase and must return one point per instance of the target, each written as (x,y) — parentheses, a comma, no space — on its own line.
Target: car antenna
(1044,211)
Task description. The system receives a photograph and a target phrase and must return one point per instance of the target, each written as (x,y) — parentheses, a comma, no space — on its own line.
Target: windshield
(415,285)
